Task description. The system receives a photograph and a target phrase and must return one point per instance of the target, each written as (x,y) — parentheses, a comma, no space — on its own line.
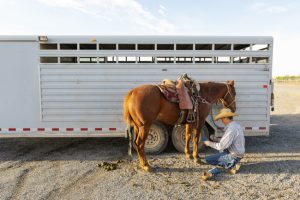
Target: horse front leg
(198,134)
(140,144)
(187,152)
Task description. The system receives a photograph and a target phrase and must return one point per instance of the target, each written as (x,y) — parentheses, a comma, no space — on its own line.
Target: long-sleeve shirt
(233,140)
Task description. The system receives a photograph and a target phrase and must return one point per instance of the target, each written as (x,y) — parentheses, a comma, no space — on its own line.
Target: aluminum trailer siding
(74,86)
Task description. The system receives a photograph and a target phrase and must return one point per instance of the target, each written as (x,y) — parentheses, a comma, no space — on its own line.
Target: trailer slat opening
(260,60)
(203,59)
(165,59)
(203,47)
(146,59)
(68,59)
(48,46)
(126,46)
(146,46)
(107,46)
(242,47)
(88,59)
(260,47)
(88,46)
(222,46)
(48,59)
(184,46)
(66,46)
(165,47)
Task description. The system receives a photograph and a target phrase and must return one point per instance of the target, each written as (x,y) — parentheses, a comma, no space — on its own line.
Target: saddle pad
(169,93)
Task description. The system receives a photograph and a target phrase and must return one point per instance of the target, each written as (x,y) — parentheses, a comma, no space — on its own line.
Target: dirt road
(68,168)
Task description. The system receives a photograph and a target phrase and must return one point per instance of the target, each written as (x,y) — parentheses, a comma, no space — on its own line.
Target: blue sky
(280,19)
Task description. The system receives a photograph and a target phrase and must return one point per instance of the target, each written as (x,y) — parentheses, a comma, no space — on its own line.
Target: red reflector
(265,86)
(112,129)
(70,129)
(248,128)
(41,129)
(12,129)
(83,129)
(26,129)
(55,129)
(98,129)
(262,128)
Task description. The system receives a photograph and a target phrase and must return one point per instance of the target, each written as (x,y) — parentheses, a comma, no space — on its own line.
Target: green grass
(287,78)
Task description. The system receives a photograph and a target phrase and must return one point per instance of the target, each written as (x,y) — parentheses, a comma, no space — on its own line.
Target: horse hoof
(188,156)
(197,160)
(147,168)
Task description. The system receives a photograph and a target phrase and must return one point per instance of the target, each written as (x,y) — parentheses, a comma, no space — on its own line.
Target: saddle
(185,92)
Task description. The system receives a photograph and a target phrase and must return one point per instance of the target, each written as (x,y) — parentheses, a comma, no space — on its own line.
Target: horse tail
(131,126)
(126,114)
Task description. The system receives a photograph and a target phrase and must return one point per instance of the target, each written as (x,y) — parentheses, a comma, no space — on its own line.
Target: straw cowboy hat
(225,112)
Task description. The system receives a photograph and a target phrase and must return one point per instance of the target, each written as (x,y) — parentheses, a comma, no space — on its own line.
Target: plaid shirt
(233,140)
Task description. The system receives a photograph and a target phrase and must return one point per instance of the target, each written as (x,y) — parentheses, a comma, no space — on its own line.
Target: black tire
(157,139)
(178,138)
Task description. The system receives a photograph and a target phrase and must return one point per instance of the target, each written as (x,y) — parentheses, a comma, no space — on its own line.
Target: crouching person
(231,146)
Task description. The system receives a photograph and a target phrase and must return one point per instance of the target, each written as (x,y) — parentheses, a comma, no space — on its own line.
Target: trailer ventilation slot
(165,46)
(184,46)
(222,59)
(184,59)
(203,59)
(203,47)
(48,46)
(88,46)
(126,46)
(165,59)
(107,46)
(222,46)
(48,60)
(260,60)
(65,46)
(146,59)
(68,60)
(146,46)
(241,47)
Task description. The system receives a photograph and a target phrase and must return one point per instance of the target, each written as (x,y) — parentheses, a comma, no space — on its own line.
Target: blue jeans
(223,159)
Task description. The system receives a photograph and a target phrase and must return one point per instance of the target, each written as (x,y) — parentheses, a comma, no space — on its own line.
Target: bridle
(222,100)
(224,103)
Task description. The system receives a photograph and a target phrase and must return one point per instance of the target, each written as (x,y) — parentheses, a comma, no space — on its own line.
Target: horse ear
(231,82)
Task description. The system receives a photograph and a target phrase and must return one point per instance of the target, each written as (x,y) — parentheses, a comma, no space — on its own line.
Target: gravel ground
(68,168)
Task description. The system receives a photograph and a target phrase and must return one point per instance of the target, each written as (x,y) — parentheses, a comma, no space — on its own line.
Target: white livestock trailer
(74,86)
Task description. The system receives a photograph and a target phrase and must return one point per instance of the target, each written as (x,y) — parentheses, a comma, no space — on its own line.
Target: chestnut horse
(145,104)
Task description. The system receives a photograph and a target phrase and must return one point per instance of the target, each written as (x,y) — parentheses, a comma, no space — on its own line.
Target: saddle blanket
(169,92)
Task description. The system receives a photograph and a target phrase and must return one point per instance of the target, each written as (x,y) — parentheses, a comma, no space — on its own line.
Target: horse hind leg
(187,151)
(140,145)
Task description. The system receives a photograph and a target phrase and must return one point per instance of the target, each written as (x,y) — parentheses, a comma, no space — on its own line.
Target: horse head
(228,100)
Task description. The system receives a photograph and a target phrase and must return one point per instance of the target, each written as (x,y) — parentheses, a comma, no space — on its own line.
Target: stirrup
(190,118)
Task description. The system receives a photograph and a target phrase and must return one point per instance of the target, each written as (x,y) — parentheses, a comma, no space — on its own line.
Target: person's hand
(214,138)
(206,143)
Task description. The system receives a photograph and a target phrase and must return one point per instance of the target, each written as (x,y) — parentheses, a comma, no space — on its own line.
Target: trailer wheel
(178,138)
(157,139)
